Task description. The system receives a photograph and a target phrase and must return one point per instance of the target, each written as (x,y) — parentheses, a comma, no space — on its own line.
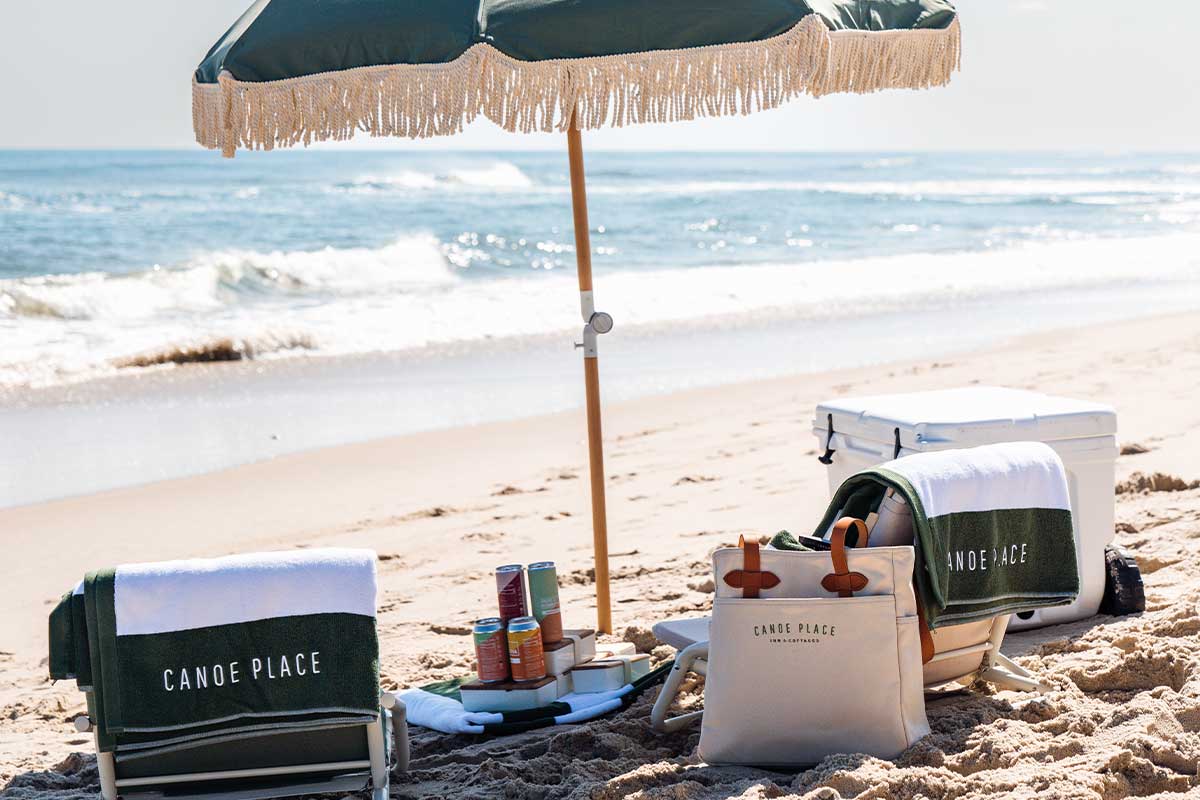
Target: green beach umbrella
(300,71)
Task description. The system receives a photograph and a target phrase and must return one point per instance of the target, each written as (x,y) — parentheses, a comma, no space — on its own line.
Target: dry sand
(686,473)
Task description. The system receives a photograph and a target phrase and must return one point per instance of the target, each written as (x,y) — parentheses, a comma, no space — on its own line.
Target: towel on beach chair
(182,651)
(992,525)
(70,656)
(438,706)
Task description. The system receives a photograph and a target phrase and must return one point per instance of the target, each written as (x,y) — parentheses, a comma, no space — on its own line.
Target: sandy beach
(686,472)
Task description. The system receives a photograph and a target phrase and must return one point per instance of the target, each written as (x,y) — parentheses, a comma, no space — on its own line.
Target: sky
(1070,75)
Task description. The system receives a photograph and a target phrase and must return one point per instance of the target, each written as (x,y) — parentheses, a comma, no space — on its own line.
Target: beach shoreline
(686,472)
(142,425)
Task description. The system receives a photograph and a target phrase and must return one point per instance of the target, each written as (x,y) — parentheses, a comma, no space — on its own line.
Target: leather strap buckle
(842,580)
(846,583)
(750,579)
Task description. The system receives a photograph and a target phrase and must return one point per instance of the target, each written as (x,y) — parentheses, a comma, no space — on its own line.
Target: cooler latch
(896,451)
(827,459)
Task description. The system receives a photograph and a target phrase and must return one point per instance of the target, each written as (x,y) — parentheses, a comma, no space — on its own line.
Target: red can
(510,591)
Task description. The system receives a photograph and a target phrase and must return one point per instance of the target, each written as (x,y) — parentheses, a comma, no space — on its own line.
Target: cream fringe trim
(422,100)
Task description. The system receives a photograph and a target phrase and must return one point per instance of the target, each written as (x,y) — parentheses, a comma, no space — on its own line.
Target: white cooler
(868,431)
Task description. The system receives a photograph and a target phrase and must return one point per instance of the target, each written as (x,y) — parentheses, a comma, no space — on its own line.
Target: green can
(543,600)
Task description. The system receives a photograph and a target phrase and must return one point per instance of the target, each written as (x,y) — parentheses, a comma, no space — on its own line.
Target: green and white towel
(70,656)
(992,525)
(182,651)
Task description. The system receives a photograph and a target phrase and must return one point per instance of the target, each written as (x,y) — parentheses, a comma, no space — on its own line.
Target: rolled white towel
(444,714)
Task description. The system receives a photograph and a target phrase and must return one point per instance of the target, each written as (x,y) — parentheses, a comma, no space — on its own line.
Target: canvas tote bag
(812,653)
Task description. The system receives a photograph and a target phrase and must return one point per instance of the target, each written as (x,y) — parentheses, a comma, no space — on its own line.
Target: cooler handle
(827,459)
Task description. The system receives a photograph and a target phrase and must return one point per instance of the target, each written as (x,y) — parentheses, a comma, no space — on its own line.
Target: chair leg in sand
(105,766)
(341,759)
(399,717)
(1001,670)
(693,658)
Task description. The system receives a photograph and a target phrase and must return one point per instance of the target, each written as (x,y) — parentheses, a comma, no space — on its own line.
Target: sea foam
(407,296)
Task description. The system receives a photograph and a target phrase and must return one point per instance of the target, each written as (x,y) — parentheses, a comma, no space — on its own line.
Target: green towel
(993,528)
(69,654)
(194,651)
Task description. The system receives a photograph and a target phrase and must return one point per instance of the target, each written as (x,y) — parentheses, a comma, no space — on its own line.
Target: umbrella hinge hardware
(599,320)
(599,323)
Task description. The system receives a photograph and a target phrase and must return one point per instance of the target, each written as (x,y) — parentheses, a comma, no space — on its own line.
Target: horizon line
(325,148)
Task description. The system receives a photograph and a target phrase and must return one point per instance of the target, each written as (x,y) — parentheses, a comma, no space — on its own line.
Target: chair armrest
(691,659)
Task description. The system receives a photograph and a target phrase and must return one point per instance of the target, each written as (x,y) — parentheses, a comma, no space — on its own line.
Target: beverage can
(491,650)
(525,655)
(510,591)
(543,600)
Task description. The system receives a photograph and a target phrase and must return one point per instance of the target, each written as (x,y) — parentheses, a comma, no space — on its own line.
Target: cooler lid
(970,415)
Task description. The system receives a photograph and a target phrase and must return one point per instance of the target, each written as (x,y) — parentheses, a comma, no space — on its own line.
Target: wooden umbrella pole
(595,323)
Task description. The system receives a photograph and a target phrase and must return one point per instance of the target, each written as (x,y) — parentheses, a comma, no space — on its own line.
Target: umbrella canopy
(298,71)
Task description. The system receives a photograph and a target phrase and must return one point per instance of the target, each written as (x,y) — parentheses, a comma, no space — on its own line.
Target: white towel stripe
(198,593)
(1012,475)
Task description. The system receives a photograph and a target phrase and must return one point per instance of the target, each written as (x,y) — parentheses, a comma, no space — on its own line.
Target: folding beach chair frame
(995,668)
(387,733)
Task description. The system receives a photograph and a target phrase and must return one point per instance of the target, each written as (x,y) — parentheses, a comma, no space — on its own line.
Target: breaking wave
(221,279)
(207,351)
(496,177)
(407,295)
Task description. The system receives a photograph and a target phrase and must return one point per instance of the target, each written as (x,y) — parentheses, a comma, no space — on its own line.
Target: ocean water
(112,263)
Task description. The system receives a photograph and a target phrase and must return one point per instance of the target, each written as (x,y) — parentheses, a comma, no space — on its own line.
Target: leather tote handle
(751,578)
(751,564)
(926,637)
(863,534)
(842,580)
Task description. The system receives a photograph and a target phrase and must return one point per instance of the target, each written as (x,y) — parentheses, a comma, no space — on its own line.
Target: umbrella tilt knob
(601,322)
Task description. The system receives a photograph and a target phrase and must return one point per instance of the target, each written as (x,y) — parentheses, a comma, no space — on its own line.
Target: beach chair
(963,644)
(244,677)
(339,759)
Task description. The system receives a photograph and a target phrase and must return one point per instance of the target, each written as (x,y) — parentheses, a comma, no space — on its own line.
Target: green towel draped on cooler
(182,651)
(992,527)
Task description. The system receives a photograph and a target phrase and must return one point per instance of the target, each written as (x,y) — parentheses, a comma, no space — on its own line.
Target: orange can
(491,650)
(525,655)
